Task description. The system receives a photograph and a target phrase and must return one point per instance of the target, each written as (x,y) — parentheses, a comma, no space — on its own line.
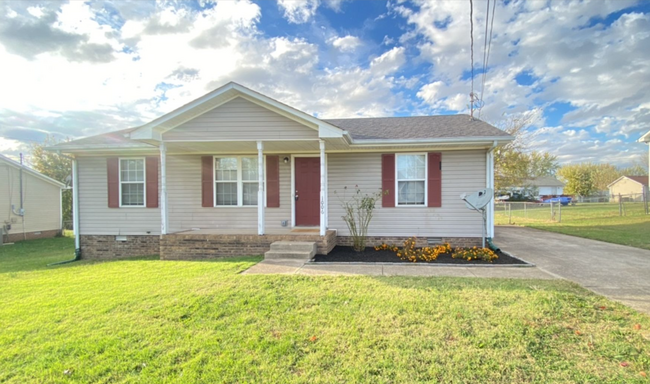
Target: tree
(56,166)
(514,163)
(579,179)
(635,170)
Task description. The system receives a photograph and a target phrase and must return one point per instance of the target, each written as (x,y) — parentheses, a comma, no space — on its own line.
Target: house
(629,188)
(544,186)
(30,203)
(234,170)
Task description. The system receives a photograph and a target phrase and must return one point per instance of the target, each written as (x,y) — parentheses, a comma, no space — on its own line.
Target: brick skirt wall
(419,242)
(106,247)
(189,246)
(15,237)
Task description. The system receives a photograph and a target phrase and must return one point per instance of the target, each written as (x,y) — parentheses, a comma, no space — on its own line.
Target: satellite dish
(477,201)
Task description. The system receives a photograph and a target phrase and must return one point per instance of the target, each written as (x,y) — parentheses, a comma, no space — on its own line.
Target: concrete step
(288,255)
(294,246)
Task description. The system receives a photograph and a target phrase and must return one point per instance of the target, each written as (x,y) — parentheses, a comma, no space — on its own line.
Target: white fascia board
(645,138)
(617,180)
(327,131)
(158,126)
(464,140)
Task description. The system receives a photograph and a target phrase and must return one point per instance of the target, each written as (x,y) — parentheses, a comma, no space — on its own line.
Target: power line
(489,46)
(471,38)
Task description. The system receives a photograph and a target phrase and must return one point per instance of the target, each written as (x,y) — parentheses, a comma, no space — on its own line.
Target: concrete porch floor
(298,267)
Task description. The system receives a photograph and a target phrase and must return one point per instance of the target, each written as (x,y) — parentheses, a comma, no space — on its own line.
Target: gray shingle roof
(544,181)
(377,128)
(416,127)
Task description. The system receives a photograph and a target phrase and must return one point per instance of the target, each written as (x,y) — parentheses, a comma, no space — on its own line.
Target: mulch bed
(342,254)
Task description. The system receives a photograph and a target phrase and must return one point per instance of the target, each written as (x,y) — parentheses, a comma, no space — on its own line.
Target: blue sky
(580,68)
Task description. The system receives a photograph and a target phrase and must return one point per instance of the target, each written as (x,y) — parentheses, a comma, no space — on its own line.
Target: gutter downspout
(75,213)
(489,178)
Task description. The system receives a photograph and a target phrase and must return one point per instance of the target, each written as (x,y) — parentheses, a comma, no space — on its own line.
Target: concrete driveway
(621,273)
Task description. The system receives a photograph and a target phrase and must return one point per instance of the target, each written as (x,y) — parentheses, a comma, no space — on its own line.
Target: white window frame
(144,169)
(426,183)
(240,182)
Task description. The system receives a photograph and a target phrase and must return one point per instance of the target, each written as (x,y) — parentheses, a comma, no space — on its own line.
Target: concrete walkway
(621,273)
(293,267)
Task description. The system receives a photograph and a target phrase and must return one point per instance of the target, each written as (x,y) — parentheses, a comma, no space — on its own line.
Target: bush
(474,253)
(410,253)
(358,213)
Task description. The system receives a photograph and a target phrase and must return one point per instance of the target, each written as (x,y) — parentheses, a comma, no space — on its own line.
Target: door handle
(296,196)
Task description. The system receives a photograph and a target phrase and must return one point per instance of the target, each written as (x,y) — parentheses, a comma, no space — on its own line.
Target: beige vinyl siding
(42,202)
(184,199)
(624,187)
(94,215)
(462,171)
(242,120)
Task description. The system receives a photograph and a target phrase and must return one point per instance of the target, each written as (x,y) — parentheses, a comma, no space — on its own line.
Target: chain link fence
(518,212)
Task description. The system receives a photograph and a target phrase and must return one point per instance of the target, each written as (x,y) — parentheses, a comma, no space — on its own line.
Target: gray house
(234,171)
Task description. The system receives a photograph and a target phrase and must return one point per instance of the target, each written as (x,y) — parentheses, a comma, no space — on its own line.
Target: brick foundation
(16,237)
(372,241)
(106,247)
(189,246)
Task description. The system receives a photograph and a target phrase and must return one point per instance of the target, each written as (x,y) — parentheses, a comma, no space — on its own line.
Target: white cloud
(298,11)
(77,69)
(346,43)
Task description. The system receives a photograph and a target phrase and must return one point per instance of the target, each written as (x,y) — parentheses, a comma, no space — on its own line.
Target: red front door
(307,191)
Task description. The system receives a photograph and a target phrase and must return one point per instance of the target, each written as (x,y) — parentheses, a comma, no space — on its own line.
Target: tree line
(516,164)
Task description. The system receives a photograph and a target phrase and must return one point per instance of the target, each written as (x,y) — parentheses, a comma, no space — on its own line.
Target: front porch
(215,243)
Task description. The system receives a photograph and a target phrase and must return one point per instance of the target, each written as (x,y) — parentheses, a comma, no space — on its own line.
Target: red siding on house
(388,180)
(207,185)
(113,180)
(434,193)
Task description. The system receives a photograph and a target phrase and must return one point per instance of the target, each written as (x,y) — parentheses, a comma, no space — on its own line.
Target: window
(132,183)
(411,179)
(236,181)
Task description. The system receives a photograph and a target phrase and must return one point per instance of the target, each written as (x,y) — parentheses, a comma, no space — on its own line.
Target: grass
(598,221)
(146,320)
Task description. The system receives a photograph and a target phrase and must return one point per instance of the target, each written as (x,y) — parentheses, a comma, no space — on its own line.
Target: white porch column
(75,205)
(260,190)
(163,190)
(323,199)
(489,178)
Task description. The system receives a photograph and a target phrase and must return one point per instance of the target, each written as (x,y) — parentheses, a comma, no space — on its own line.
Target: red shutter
(207,184)
(152,181)
(435,179)
(388,180)
(113,176)
(272,181)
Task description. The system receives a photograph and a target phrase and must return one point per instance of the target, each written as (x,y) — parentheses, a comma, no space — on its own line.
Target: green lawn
(600,221)
(146,320)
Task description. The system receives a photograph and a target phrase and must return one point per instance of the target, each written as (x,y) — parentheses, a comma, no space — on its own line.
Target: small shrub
(474,253)
(411,253)
(358,213)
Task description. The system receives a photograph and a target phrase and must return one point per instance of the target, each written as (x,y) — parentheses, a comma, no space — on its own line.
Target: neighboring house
(544,186)
(188,184)
(41,214)
(630,188)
